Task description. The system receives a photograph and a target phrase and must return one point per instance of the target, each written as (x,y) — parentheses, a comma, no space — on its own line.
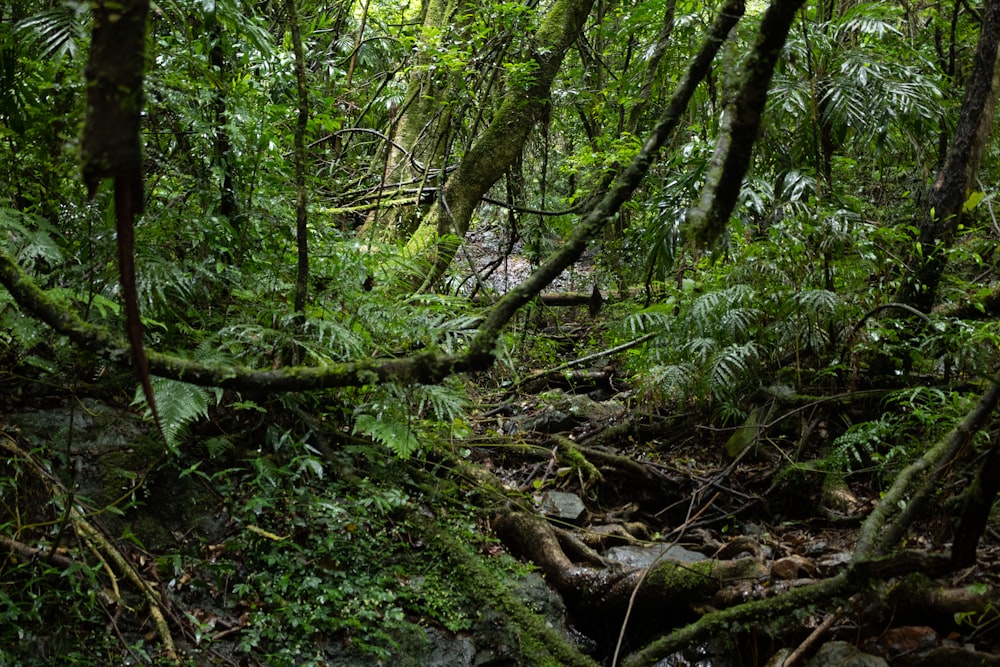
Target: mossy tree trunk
(740,126)
(500,145)
(421,145)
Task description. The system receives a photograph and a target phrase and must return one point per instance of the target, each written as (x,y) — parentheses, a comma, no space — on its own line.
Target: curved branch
(625,185)
(741,124)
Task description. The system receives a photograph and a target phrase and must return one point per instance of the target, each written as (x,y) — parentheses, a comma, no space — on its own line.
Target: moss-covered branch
(422,368)
(741,124)
(722,622)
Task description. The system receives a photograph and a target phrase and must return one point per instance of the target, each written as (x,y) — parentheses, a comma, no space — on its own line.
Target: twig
(795,656)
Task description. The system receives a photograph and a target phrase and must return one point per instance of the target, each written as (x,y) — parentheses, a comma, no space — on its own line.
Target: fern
(700,348)
(666,385)
(395,435)
(442,402)
(858,446)
(178,404)
(654,318)
(30,240)
(731,368)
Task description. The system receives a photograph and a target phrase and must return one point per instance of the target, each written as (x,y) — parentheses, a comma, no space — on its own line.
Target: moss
(539,644)
(684,579)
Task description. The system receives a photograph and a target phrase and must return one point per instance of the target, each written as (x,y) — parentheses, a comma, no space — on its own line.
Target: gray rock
(563,506)
(634,556)
(843,654)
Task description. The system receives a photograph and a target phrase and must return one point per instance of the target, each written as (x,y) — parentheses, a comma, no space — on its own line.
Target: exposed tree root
(541,644)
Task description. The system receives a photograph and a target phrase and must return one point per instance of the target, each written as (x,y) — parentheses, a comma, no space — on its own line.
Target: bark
(740,126)
(502,142)
(223,155)
(112,146)
(958,175)
(299,150)
(976,506)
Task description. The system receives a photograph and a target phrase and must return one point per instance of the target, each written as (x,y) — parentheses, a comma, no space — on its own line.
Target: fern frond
(731,367)
(444,403)
(30,240)
(178,403)
(871,19)
(655,318)
(395,435)
(700,348)
(738,323)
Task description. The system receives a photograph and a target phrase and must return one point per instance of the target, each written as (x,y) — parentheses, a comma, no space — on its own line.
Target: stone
(563,506)
(844,654)
(634,556)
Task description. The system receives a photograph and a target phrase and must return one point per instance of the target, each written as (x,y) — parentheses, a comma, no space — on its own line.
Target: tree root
(540,642)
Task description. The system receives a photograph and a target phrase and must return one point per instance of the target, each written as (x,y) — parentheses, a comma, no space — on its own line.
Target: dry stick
(642,577)
(30,554)
(795,656)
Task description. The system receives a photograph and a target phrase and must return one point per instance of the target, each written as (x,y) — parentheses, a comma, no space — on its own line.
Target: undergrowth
(319,558)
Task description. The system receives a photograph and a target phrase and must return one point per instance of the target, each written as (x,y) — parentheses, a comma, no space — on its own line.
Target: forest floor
(276,537)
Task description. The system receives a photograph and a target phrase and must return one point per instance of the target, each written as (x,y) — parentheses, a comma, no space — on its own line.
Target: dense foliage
(312,216)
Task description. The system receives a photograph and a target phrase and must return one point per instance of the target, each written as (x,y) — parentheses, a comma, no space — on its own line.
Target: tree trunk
(299,151)
(740,125)
(950,191)
(500,145)
(420,149)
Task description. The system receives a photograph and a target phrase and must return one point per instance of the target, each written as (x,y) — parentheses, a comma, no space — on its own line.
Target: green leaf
(178,403)
(973,200)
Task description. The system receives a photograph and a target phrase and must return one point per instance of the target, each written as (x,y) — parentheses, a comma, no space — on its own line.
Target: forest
(499,333)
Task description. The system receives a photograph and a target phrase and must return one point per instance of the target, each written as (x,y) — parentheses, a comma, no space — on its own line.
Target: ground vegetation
(463,333)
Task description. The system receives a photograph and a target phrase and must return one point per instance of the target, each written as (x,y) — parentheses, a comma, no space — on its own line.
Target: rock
(645,556)
(792,567)
(843,654)
(549,420)
(587,409)
(563,506)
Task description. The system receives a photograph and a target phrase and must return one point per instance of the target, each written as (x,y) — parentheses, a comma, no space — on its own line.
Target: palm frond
(59,31)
